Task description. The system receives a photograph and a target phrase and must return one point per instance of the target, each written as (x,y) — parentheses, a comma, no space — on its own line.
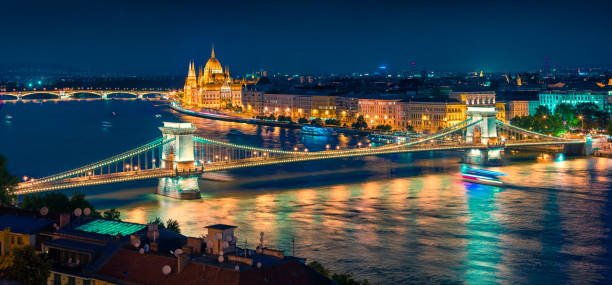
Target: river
(396,219)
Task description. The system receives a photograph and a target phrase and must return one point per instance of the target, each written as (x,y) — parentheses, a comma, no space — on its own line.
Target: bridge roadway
(291,157)
(33,187)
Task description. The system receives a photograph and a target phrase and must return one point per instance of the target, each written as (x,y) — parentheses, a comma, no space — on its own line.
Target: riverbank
(232,118)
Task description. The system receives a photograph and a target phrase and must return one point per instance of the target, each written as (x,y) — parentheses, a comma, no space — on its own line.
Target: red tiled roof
(130,267)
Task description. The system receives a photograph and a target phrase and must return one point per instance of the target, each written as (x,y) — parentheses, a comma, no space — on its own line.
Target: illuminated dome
(213,65)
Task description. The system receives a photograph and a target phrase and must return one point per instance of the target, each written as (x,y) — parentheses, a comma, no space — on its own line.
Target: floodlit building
(212,87)
(551,99)
(516,108)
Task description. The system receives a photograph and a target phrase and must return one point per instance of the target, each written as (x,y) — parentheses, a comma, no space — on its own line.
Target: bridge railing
(532,133)
(96,165)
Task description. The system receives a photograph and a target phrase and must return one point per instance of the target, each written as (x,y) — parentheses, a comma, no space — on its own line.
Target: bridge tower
(486,129)
(484,132)
(179,156)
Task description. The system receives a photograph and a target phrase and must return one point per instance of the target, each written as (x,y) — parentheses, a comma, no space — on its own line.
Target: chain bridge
(179,157)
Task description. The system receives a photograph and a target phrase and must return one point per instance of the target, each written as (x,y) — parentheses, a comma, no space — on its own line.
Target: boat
(481,176)
(106,124)
(316,131)
(8,117)
(386,138)
(158,116)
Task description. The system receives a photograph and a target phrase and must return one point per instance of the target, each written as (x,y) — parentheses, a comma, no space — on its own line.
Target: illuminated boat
(316,131)
(481,176)
(386,138)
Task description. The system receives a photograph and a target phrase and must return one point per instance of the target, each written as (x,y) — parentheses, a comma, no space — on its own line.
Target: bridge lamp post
(358,144)
(305,150)
(337,147)
(327,146)
(295,149)
(582,121)
(25,178)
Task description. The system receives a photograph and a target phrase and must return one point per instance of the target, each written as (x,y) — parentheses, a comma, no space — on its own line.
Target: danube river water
(395,219)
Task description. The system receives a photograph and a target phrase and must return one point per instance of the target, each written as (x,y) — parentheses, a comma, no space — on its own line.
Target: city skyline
(284,37)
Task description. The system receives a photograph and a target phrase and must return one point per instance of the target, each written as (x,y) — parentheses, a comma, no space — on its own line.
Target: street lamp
(582,121)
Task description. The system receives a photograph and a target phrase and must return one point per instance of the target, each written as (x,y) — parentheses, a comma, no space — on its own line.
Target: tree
(7,183)
(173,225)
(57,202)
(303,121)
(347,279)
(318,267)
(410,128)
(360,124)
(317,122)
(27,267)
(567,113)
(385,128)
(542,110)
(112,214)
(157,220)
(609,128)
(332,122)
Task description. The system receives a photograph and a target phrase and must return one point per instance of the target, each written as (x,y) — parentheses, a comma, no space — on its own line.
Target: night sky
(159,37)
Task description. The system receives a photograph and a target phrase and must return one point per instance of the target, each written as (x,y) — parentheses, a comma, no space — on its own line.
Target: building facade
(516,108)
(212,88)
(551,99)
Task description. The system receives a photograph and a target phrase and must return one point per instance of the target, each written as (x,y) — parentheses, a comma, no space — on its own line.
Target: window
(12,239)
(71,281)
(19,240)
(86,282)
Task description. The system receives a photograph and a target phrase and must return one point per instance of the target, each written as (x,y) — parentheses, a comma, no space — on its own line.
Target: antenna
(87,211)
(78,212)
(44,211)
(178,252)
(166,269)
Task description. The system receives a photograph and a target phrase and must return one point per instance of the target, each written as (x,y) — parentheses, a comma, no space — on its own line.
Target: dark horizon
(318,37)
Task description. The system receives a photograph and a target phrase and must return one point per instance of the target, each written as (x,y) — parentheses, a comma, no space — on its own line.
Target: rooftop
(131,267)
(23,225)
(109,227)
(220,227)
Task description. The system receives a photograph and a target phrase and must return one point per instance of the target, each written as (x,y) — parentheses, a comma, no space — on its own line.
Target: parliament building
(212,88)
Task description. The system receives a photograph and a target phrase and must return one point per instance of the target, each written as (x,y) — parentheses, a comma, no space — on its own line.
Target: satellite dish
(221,252)
(225,244)
(221,258)
(258,264)
(56,227)
(219,236)
(141,251)
(87,211)
(237,268)
(166,269)
(178,252)
(78,212)
(136,243)
(44,211)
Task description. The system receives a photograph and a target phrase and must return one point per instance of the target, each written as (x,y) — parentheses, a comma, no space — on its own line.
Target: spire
(212,54)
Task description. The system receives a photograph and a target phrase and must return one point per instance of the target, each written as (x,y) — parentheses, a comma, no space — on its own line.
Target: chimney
(195,244)
(154,246)
(64,220)
(182,261)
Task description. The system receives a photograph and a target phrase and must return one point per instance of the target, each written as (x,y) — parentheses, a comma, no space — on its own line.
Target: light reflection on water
(394,219)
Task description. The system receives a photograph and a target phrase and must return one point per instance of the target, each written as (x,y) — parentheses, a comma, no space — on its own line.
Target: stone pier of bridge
(178,155)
